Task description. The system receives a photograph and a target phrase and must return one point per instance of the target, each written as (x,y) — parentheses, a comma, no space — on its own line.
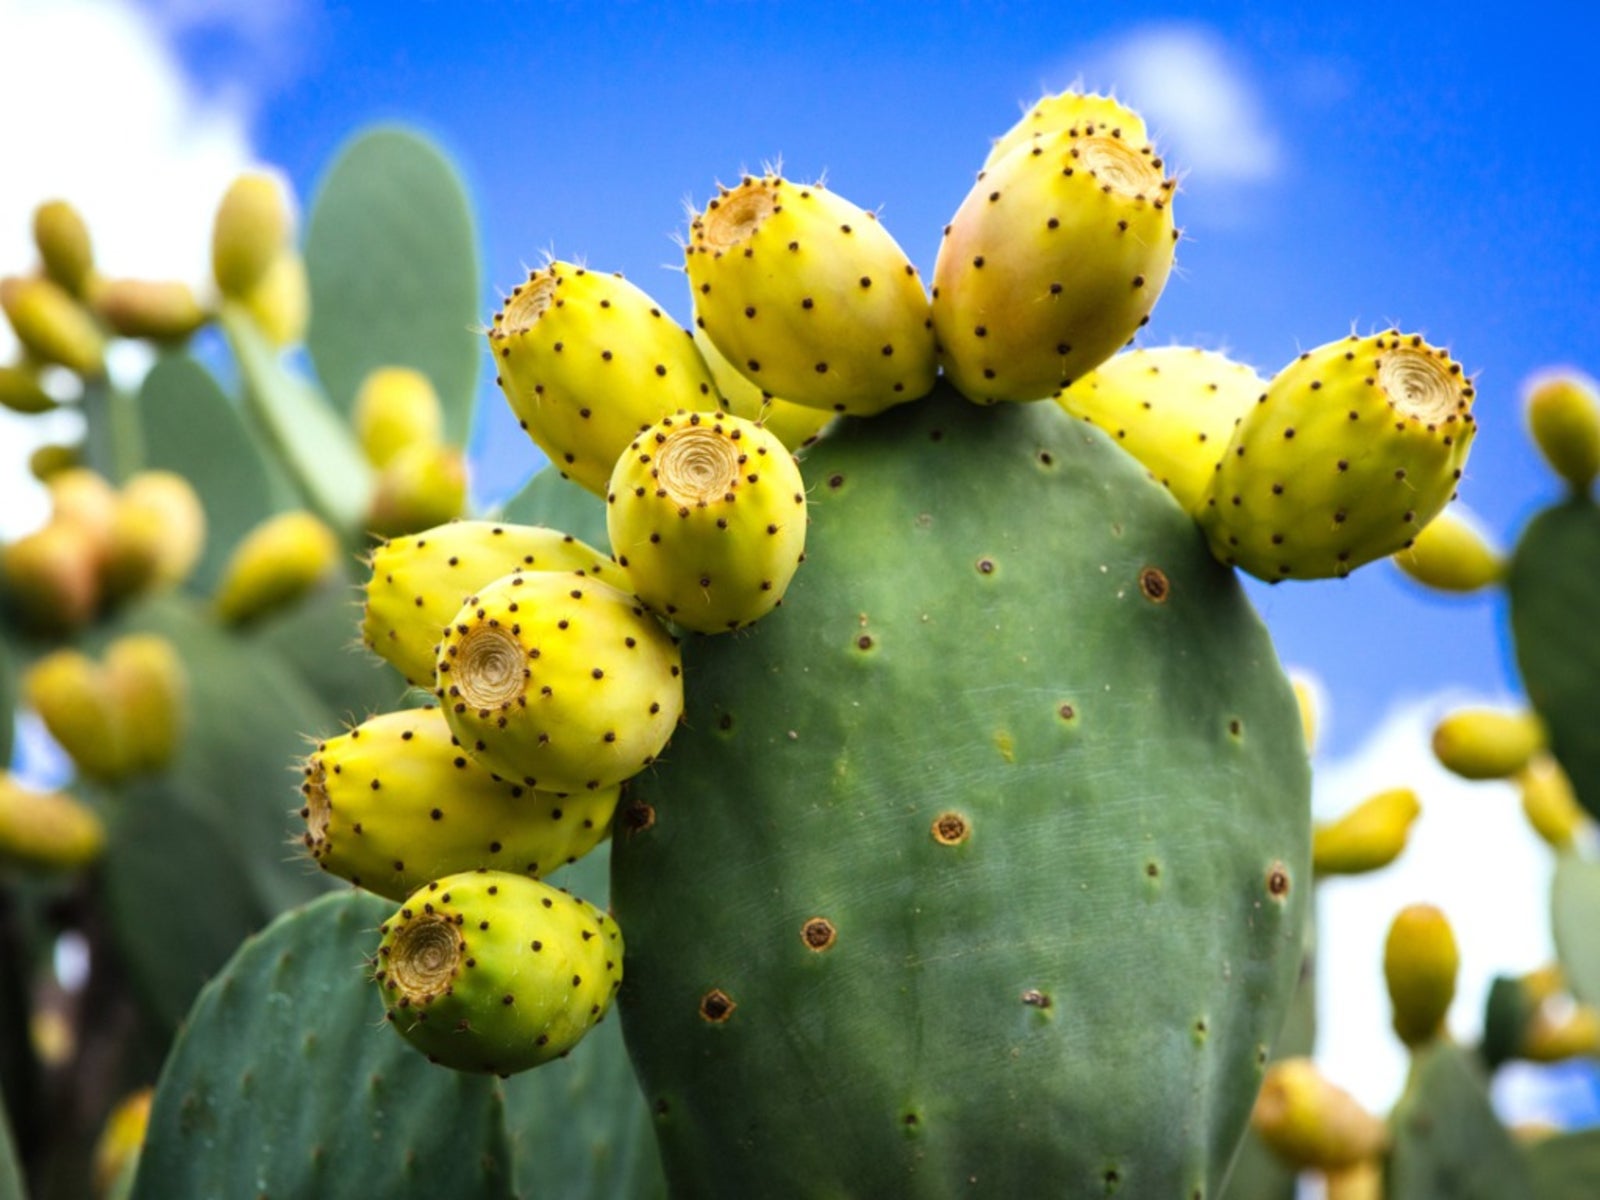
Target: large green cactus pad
(1447,1139)
(981,863)
(1566,1166)
(1553,583)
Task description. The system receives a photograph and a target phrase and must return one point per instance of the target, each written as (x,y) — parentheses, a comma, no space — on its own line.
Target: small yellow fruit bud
(1362,1181)
(68,691)
(1309,1122)
(52,326)
(1548,801)
(280,304)
(253,227)
(1308,695)
(1564,418)
(149,688)
(396,407)
(48,830)
(1451,554)
(52,578)
(158,531)
(421,487)
(83,497)
(64,246)
(20,391)
(48,461)
(276,564)
(1486,743)
(1371,835)
(1554,1038)
(160,310)
(121,1139)
(1420,960)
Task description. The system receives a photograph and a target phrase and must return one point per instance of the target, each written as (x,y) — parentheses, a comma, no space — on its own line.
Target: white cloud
(99,112)
(1203,109)
(1471,853)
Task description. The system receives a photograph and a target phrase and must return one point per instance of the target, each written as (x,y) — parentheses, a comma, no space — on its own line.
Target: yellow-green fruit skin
(280,302)
(586,361)
(795,425)
(1353,448)
(21,392)
(707,514)
(149,689)
(396,407)
(275,565)
(493,972)
(1548,801)
(559,681)
(1563,411)
(1420,961)
(158,531)
(160,310)
(1172,407)
(1310,1122)
(396,802)
(46,830)
(64,245)
(52,325)
(1487,743)
(1450,554)
(1371,835)
(52,578)
(418,582)
(420,487)
(810,297)
(252,227)
(68,691)
(1079,113)
(1051,264)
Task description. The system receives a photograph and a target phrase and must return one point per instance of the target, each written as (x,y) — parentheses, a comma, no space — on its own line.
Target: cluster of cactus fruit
(954,803)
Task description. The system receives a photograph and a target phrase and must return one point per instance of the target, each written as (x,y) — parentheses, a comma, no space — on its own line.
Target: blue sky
(1342,168)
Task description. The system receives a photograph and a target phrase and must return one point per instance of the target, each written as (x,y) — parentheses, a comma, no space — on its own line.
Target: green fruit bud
(396,407)
(252,228)
(64,245)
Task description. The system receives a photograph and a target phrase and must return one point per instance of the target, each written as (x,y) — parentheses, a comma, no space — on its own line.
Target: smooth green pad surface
(1574,917)
(1554,583)
(1447,1140)
(393,262)
(1082,987)
(8,699)
(1565,1167)
(10,1173)
(285,1084)
(548,499)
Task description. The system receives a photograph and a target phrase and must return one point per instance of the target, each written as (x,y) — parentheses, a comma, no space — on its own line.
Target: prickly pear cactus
(982,861)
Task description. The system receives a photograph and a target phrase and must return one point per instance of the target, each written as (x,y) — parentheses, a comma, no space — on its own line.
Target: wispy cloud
(1198,98)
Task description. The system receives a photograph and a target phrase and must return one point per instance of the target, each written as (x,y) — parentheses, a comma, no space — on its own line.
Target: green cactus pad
(284,1083)
(550,499)
(1552,583)
(1565,1166)
(1574,915)
(1447,1139)
(983,860)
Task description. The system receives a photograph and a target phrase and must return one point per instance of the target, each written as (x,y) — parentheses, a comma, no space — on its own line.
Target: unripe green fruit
(1487,743)
(810,297)
(1564,418)
(493,972)
(252,228)
(419,581)
(559,681)
(396,802)
(68,691)
(52,325)
(707,514)
(1078,113)
(52,578)
(1354,447)
(418,488)
(1053,261)
(586,361)
(64,245)
(160,310)
(396,407)
(1420,961)
(20,391)
(277,563)
(1371,835)
(46,830)
(1451,554)
(148,687)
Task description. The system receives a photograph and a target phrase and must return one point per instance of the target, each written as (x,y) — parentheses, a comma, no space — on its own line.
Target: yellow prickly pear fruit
(158,531)
(795,425)
(280,303)
(49,461)
(1564,418)
(52,578)
(1173,408)
(83,497)
(121,1139)
(64,245)
(20,391)
(1310,1122)
(1571,1033)
(161,310)
(396,407)
(1548,801)
(1420,961)
(46,830)
(420,487)
(1080,113)
(52,325)
(276,563)
(252,229)
(1487,743)
(1452,554)
(69,692)
(1359,1181)
(1369,836)
(149,687)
